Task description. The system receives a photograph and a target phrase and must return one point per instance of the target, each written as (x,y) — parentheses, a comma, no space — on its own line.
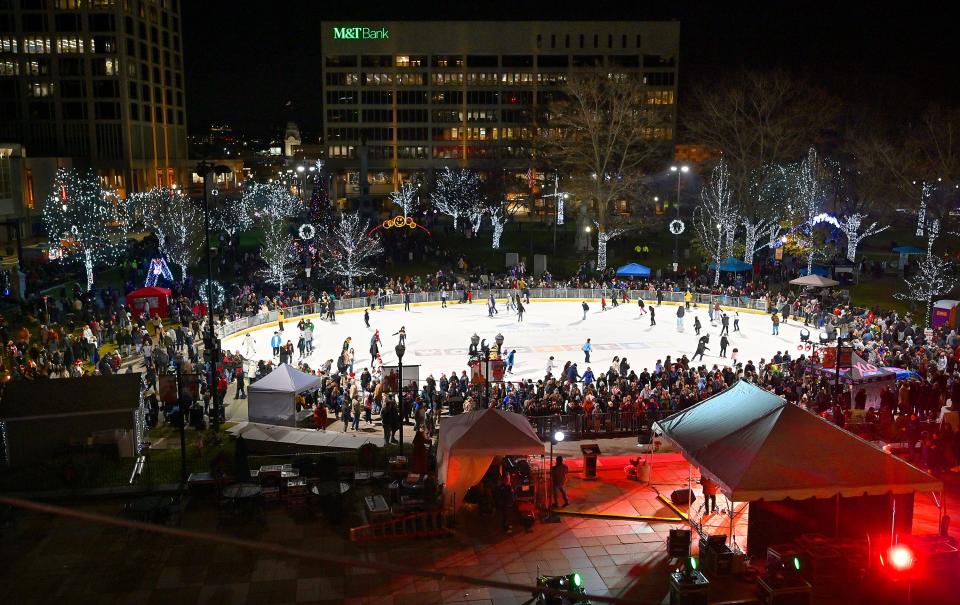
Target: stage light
(900,557)
(576,579)
(804,335)
(559,436)
(796,563)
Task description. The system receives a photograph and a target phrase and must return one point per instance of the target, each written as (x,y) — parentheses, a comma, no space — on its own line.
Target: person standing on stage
(558,477)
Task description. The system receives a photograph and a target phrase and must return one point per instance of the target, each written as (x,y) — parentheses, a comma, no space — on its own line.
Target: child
(733,356)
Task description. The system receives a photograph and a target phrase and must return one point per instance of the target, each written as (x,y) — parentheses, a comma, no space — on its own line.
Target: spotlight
(900,558)
(559,436)
(804,335)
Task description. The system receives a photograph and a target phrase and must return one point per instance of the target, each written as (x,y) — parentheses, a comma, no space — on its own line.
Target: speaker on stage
(683,496)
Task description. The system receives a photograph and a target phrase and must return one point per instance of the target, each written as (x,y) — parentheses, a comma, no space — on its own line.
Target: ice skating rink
(438,339)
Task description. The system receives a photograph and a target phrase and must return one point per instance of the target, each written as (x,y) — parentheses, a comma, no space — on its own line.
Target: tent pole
(893,519)
(733,538)
(689,488)
(836,517)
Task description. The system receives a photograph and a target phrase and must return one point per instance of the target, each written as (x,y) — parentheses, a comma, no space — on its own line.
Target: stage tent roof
(757,446)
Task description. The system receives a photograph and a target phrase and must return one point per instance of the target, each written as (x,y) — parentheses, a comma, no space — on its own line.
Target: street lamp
(555,438)
(400,349)
(683,169)
(205,169)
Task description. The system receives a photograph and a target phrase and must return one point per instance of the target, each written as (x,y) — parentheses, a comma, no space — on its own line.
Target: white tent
(814,281)
(272,398)
(469,442)
(757,446)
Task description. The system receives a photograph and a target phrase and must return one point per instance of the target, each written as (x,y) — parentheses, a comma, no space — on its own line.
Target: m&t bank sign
(360,33)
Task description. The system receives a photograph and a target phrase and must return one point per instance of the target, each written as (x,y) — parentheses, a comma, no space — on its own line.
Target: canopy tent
(633,270)
(909,250)
(157,298)
(756,446)
(820,270)
(732,265)
(469,442)
(272,398)
(863,376)
(814,281)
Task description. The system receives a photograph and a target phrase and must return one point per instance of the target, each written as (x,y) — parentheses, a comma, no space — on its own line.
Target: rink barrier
(480,295)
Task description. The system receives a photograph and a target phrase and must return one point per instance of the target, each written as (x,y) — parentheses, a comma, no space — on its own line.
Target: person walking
(586,308)
(680,312)
(775,320)
(725,324)
(520,310)
(653,316)
(320,417)
(697,325)
(724,343)
(587,348)
(558,479)
(241,388)
(356,409)
(345,410)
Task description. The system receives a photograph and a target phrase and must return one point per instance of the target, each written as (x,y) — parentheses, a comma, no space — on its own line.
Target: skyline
(855,54)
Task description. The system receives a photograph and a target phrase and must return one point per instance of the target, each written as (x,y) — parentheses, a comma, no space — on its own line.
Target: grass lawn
(879,293)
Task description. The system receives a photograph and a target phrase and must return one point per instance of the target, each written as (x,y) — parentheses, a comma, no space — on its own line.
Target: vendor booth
(633,270)
(272,399)
(863,376)
(946,314)
(799,473)
(157,298)
(469,443)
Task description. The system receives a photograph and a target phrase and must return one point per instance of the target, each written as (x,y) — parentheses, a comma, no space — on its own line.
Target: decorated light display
(560,198)
(925,192)
(809,190)
(677,227)
(713,216)
(850,225)
(346,248)
(603,238)
(84,222)
(498,217)
(270,200)
(307,232)
(934,277)
(277,252)
(234,215)
(158,270)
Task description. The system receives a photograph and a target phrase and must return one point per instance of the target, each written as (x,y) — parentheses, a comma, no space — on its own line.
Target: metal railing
(294,313)
(606,424)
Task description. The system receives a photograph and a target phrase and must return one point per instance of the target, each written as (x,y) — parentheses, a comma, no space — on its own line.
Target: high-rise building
(99,82)
(410,97)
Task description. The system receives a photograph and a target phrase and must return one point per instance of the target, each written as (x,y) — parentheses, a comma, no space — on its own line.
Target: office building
(99,82)
(417,96)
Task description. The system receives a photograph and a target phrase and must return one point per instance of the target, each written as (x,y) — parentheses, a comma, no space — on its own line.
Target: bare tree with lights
(407,198)
(272,200)
(713,216)
(176,221)
(458,193)
(84,222)
(811,181)
(234,215)
(851,225)
(935,277)
(346,250)
(277,253)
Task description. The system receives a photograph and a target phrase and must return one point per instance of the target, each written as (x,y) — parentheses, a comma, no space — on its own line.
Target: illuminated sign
(360,33)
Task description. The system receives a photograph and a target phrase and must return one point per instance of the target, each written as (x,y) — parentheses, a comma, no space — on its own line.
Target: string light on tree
(346,248)
(307,232)
(176,221)
(457,193)
(850,225)
(603,237)
(934,278)
(277,253)
(84,222)
(219,295)
(407,198)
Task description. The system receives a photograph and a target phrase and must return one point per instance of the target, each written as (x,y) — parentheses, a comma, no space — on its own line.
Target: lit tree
(176,221)
(850,225)
(277,252)
(271,200)
(934,278)
(234,215)
(407,197)
(603,237)
(759,206)
(84,222)
(810,183)
(458,193)
(715,214)
(347,247)
(756,230)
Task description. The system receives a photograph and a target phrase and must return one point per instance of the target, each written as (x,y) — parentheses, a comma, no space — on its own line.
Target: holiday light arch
(399,222)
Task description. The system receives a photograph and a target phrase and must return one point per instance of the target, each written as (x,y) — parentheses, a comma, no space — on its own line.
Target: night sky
(257,67)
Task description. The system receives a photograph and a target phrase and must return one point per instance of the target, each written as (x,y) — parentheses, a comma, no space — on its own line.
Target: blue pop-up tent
(633,270)
(909,250)
(732,265)
(820,270)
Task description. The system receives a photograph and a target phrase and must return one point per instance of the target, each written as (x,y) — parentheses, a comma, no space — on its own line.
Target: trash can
(591,451)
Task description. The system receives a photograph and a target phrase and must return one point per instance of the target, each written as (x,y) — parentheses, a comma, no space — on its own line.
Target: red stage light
(900,557)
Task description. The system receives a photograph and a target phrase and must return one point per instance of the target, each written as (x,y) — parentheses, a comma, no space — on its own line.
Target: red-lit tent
(761,449)
(469,442)
(158,298)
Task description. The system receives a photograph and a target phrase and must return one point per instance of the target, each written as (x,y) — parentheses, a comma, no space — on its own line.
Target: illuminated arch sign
(360,33)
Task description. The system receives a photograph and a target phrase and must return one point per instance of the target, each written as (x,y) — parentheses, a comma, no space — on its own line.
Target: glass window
(36,45)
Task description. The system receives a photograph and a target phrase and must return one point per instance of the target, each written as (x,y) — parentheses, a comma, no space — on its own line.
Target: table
(242,500)
(242,491)
(148,508)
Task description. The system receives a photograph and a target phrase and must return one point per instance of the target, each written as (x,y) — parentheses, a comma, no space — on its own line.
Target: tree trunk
(601,250)
(88,265)
(497,234)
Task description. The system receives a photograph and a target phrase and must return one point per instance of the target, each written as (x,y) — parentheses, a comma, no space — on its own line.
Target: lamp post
(300,176)
(555,438)
(205,169)
(683,169)
(400,349)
